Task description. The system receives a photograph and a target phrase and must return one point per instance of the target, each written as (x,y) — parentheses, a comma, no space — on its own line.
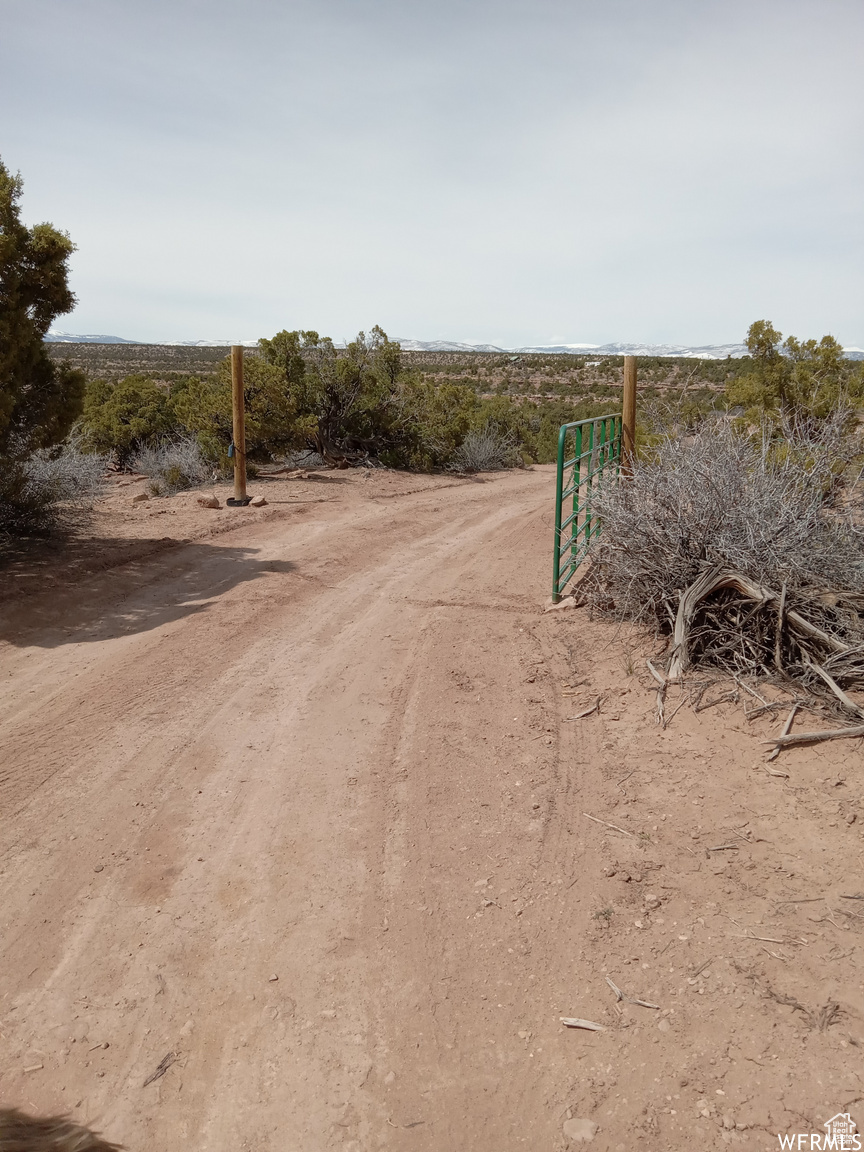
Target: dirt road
(292,811)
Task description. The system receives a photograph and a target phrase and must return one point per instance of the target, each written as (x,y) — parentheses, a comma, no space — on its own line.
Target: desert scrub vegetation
(121,418)
(53,490)
(202,409)
(745,549)
(172,466)
(370,403)
(795,378)
(365,402)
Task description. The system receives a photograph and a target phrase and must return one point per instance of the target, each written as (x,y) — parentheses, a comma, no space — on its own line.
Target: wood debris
(587,1025)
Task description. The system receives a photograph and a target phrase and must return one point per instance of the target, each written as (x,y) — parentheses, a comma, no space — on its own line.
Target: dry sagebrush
(22,1133)
(486,449)
(49,491)
(173,466)
(748,550)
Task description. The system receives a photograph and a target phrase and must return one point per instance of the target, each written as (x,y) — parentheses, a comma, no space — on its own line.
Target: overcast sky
(482,170)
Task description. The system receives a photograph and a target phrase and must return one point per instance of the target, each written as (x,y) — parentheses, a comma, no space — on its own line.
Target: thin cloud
(498,171)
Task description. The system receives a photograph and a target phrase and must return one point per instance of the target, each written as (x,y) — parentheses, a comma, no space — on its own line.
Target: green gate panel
(595,461)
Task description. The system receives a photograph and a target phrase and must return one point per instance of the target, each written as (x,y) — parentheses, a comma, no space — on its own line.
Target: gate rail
(596,460)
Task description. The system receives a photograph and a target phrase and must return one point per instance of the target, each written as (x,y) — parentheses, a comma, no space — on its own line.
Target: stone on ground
(580,1131)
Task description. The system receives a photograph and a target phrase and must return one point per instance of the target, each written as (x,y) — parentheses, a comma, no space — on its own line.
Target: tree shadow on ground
(56,592)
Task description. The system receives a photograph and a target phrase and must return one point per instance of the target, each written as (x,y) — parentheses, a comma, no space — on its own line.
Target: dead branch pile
(749,555)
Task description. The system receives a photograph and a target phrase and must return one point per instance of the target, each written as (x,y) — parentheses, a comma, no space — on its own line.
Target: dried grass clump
(485,449)
(173,466)
(748,551)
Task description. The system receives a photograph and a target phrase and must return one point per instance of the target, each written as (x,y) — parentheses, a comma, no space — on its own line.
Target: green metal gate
(595,460)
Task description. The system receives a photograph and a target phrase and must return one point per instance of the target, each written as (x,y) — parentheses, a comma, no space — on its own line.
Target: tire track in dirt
(191,879)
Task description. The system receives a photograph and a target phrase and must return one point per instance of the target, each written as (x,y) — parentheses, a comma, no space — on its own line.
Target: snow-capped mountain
(699,352)
(702,352)
(445,346)
(694,352)
(69,338)
(209,343)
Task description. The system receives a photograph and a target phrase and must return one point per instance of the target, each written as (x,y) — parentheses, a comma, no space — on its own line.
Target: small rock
(851,818)
(209,502)
(663,1026)
(625,876)
(390,1077)
(99,868)
(140,498)
(652,902)
(257,502)
(636,877)
(580,1131)
(567,602)
(272,978)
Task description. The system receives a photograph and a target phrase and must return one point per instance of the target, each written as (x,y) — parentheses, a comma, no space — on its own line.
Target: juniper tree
(798,378)
(39,400)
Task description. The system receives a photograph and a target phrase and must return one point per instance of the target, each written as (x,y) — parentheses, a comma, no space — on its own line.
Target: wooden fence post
(628,417)
(238,412)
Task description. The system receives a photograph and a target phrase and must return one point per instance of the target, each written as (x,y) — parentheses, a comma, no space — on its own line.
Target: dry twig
(162,1067)
(816,737)
(786,729)
(606,824)
(619,995)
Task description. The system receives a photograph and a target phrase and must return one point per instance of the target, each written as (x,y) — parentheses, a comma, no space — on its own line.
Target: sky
(497,171)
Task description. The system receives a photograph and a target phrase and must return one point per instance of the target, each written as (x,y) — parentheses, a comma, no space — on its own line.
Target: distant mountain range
(698,352)
(703,352)
(70,338)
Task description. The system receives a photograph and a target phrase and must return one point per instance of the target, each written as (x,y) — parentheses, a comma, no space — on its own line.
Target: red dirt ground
(293,796)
